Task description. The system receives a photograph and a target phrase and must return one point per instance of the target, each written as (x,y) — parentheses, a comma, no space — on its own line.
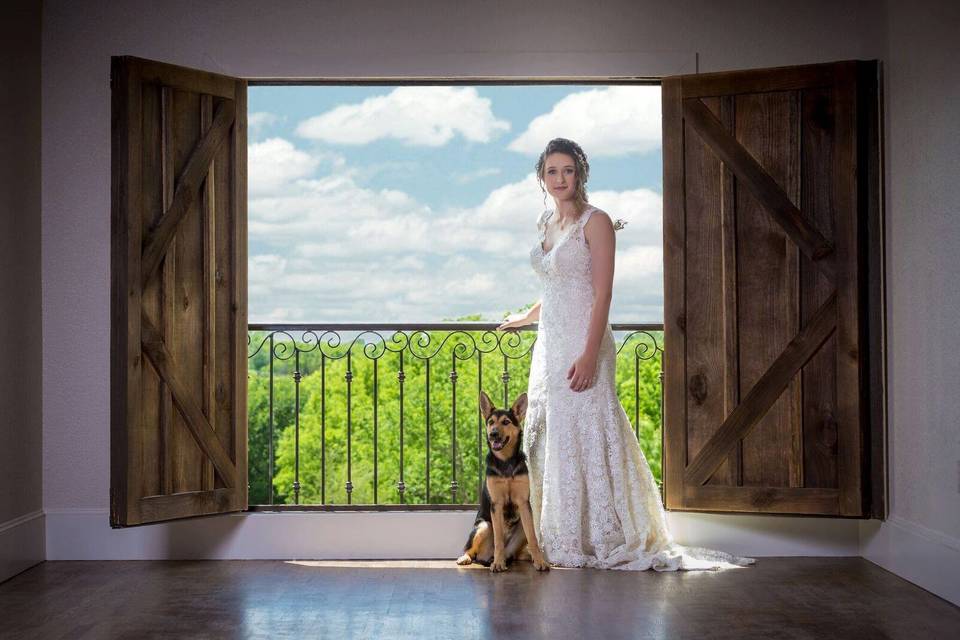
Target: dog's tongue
(497,445)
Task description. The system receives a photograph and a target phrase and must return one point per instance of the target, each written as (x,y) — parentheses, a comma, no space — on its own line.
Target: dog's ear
(519,407)
(486,405)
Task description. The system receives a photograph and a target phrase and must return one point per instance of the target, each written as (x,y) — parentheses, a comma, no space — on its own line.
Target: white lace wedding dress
(594,499)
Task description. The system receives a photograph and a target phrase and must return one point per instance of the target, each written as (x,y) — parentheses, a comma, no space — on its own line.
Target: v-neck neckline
(563,234)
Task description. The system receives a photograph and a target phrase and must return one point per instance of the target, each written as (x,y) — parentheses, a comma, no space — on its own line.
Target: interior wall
(921,538)
(21,522)
(378,37)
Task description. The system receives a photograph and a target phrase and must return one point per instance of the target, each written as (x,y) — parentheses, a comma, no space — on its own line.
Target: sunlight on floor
(393,564)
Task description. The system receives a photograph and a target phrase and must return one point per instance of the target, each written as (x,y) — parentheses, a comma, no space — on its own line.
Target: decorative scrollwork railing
(327,449)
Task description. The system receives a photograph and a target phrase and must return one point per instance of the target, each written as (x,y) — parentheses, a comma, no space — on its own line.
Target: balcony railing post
(401,376)
(270,453)
(427,461)
(296,463)
(505,377)
(636,393)
(348,377)
(453,436)
(481,431)
(323,428)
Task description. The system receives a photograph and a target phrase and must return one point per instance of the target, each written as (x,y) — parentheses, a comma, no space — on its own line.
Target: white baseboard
(766,535)
(21,544)
(930,559)
(85,534)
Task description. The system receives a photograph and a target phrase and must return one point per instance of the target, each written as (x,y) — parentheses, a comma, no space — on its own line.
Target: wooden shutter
(179,293)
(773,262)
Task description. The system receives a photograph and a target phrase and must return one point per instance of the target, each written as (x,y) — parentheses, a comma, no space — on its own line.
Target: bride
(594,499)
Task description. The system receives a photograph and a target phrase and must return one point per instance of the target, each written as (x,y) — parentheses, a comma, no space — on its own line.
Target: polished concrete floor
(776,598)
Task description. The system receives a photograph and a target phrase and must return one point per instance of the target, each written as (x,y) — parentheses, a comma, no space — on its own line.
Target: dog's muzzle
(496,442)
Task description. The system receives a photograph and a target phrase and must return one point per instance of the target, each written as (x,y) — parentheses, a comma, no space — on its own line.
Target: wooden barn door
(179,302)
(772,365)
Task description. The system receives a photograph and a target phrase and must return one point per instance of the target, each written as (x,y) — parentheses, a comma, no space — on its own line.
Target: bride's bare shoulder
(598,219)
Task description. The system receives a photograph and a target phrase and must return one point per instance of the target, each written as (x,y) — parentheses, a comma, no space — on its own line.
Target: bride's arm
(600,237)
(517,320)
(533,314)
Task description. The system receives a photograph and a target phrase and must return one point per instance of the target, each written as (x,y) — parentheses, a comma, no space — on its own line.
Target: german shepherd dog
(505,502)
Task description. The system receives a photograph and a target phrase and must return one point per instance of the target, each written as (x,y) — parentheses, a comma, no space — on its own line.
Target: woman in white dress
(595,502)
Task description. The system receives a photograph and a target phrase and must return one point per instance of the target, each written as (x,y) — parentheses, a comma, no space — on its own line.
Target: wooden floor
(776,598)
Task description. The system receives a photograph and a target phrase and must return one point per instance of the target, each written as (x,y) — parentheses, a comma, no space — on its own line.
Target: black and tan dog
(503,530)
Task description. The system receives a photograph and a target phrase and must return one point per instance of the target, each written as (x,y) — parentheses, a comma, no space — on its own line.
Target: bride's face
(560,176)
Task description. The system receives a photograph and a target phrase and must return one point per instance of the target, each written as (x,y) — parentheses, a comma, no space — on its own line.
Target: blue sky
(419,203)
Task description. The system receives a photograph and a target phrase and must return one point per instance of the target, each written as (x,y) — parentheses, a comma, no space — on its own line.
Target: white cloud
(415,115)
(342,252)
(259,121)
(479,174)
(275,163)
(612,121)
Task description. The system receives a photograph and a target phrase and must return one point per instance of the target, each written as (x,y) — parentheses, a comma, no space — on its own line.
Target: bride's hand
(580,374)
(514,321)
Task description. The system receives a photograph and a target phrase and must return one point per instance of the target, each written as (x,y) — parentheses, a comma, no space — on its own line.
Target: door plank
(762,186)
(764,393)
(796,500)
(850,442)
(188,186)
(767,318)
(196,422)
(674,295)
(188,504)
(704,329)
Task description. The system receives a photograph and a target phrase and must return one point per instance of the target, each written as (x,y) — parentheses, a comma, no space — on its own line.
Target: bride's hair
(572,149)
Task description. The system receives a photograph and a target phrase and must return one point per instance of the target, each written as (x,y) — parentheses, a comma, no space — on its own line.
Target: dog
(503,530)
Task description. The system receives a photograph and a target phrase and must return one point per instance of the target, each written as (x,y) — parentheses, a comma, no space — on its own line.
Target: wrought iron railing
(385,416)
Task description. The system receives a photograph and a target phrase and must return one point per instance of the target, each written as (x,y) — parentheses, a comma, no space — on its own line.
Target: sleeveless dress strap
(542,224)
(585,216)
(582,222)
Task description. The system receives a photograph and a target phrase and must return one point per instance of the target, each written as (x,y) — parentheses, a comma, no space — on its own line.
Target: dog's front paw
(498,565)
(540,564)
(465,559)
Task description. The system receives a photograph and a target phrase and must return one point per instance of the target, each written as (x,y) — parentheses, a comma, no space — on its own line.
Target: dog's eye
(506,422)
(490,421)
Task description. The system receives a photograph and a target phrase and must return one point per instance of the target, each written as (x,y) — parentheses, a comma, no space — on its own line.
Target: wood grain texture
(237,213)
(761,184)
(196,423)
(724,83)
(167,288)
(767,283)
(674,297)
(764,393)
(819,375)
(208,208)
(850,407)
(188,185)
(731,330)
(849,598)
(870,117)
(796,500)
(706,371)
(126,231)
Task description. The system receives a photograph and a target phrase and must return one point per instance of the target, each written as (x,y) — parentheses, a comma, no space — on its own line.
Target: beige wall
(921,539)
(20,321)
